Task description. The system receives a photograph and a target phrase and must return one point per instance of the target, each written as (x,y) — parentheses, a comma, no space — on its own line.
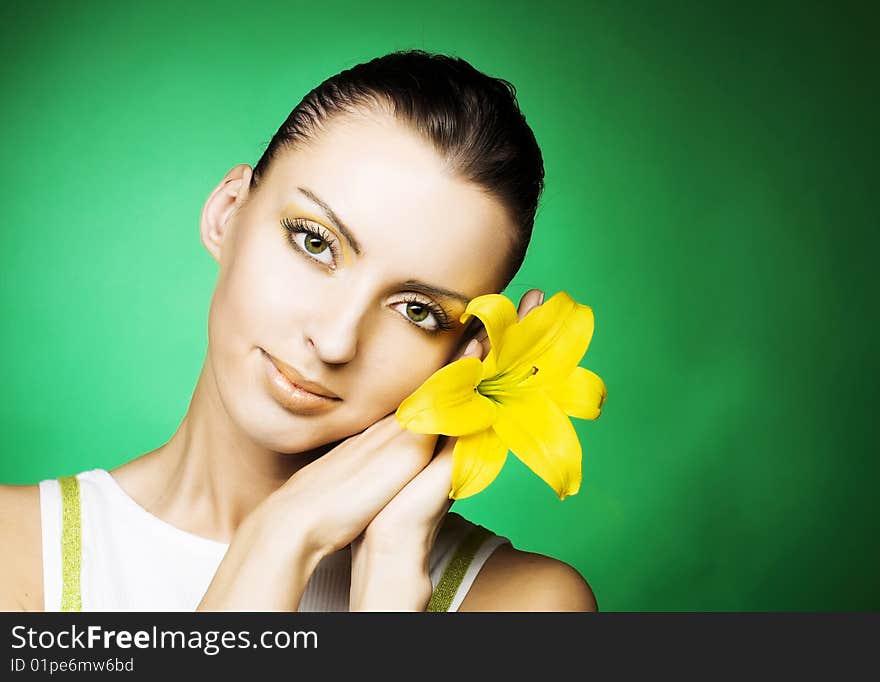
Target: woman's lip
(299,380)
(292,395)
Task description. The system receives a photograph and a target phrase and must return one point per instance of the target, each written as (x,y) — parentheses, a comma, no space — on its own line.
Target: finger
(482,335)
(530,300)
(474,348)
(445,473)
(379,429)
(433,483)
(371,449)
(387,465)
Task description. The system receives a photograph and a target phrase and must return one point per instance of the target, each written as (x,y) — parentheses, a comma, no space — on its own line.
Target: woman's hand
(318,510)
(390,558)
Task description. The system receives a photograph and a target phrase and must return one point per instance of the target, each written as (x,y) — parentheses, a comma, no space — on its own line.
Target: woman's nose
(333,333)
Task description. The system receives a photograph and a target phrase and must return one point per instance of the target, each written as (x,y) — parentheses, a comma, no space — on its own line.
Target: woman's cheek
(404,371)
(276,284)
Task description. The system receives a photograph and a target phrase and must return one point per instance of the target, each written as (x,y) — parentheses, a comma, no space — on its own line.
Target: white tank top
(102,551)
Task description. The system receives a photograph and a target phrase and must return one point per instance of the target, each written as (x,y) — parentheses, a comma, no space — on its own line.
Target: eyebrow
(414,284)
(437,291)
(333,218)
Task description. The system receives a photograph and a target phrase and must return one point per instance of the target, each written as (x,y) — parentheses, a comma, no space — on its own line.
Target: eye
(418,311)
(312,240)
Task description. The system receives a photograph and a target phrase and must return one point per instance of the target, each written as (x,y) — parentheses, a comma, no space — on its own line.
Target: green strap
(71,544)
(447,586)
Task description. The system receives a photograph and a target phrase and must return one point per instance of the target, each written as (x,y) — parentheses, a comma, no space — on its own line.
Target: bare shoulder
(21,571)
(514,580)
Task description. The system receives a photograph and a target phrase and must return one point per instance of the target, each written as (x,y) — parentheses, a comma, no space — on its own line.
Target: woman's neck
(209,476)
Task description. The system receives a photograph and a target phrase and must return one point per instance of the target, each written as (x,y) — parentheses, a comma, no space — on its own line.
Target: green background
(711,193)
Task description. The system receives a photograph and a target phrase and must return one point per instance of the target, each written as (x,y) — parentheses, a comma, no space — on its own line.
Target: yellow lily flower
(518,398)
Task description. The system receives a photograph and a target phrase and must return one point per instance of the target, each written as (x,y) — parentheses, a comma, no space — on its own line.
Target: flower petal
(476,461)
(553,337)
(581,395)
(497,313)
(489,368)
(538,432)
(447,402)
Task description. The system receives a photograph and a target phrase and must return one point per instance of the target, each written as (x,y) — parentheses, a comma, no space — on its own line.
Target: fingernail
(471,347)
(541,300)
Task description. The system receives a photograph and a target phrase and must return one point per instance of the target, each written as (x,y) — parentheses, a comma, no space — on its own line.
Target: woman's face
(368,305)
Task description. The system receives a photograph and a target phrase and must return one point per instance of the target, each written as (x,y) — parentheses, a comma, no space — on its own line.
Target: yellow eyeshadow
(300,212)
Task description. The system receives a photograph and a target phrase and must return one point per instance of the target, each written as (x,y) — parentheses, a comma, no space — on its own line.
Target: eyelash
(443,323)
(296,226)
(300,226)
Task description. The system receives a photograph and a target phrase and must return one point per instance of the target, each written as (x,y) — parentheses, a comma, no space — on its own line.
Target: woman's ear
(222,203)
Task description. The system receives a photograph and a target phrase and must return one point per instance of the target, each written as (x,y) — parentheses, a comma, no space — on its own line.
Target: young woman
(394,193)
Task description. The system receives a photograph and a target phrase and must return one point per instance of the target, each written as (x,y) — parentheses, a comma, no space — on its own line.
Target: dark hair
(472,120)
